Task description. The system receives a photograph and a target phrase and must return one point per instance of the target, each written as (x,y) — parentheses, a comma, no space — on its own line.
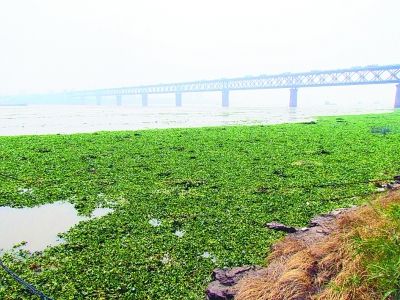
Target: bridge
(372,74)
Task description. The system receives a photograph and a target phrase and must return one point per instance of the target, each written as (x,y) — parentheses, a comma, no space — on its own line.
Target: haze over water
(67,119)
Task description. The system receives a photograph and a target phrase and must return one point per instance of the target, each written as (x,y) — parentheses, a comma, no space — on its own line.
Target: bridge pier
(98,100)
(178,99)
(144,100)
(225,98)
(119,100)
(397,98)
(293,97)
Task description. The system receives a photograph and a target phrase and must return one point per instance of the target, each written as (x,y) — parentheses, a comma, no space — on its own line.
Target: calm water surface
(51,119)
(39,226)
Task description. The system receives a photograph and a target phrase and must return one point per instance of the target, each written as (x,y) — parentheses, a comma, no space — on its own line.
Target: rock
(397,178)
(230,276)
(319,220)
(223,288)
(217,291)
(393,186)
(281,227)
(322,219)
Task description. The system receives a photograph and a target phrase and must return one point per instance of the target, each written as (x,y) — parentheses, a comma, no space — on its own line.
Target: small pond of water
(39,226)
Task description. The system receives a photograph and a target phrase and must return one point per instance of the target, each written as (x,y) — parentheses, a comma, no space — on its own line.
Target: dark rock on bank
(281,227)
(224,285)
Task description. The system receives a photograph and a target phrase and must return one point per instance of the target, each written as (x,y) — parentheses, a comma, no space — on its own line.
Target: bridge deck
(352,76)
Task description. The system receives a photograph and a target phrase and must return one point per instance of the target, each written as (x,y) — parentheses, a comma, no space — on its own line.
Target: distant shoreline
(14,104)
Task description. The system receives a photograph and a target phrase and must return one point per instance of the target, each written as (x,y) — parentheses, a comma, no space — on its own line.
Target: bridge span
(372,74)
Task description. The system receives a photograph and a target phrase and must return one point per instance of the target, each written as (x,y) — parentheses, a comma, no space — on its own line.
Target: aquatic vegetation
(214,186)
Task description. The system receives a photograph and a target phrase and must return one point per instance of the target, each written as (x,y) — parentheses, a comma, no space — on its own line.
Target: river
(67,119)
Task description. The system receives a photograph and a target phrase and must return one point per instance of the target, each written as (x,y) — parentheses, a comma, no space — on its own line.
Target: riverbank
(185,201)
(349,253)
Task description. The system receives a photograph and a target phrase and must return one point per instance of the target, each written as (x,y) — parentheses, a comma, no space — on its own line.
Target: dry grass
(329,269)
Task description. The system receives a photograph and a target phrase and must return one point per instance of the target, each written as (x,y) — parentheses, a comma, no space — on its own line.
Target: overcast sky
(89,44)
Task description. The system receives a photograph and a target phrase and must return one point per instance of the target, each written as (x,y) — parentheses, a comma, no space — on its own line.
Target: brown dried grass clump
(328,269)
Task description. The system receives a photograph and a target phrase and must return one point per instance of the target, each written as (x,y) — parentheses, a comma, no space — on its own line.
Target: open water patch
(38,226)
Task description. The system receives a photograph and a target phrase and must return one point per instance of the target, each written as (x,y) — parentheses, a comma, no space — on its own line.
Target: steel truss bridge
(372,74)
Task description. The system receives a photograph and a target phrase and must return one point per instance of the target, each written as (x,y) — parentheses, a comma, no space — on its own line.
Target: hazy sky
(88,44)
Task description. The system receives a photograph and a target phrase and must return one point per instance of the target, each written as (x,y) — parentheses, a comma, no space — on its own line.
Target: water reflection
(39,225)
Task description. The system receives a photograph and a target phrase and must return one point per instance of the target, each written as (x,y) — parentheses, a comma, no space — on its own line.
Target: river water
(39,226)
(66,119)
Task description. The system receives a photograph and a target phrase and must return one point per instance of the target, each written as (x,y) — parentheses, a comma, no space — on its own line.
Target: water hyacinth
(219,184)
(101,196)
(154,222)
